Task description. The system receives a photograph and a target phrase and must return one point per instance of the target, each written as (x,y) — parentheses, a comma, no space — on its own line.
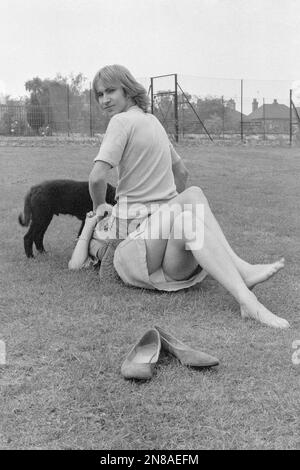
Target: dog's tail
(24,218)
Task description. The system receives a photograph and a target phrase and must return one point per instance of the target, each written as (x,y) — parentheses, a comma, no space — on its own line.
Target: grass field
(66,335)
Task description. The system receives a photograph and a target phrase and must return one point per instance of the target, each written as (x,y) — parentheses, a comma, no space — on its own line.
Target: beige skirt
(130,263)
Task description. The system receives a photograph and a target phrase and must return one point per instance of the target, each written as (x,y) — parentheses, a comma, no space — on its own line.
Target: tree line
(66,103)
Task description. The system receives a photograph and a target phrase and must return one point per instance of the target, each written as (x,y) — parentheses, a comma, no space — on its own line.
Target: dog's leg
(39,233)
(28,242)
(39,243)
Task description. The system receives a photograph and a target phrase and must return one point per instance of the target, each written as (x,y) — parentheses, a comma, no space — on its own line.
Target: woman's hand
(103,210)
(93,217)
(91,220)
(81,250)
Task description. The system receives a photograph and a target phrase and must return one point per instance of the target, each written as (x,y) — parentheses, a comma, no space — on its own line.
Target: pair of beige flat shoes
(142,358)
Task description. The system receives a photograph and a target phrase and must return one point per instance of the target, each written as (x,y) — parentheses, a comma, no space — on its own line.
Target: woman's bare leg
(178,257)
(251,274)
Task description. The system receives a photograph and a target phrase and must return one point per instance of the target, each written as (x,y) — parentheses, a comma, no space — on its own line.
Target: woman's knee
(194,193)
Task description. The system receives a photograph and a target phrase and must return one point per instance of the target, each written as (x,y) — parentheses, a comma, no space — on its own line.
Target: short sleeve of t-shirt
(174,155)
(113,143)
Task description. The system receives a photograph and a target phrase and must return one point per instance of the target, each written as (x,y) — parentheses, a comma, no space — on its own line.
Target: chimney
(231,104)
(254,105)
(275,101)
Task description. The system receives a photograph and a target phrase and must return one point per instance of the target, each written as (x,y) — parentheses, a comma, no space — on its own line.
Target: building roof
(270,111)
(233,114)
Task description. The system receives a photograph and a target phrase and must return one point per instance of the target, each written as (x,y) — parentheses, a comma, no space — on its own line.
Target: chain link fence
(227,110)
(199,109)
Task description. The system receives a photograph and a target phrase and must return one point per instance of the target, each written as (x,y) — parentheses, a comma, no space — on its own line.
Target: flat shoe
(186,355)
(141,359)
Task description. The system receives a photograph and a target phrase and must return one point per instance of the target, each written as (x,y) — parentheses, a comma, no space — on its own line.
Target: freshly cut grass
(66,334)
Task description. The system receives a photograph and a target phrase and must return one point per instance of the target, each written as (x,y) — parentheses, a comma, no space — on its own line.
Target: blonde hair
(119,75)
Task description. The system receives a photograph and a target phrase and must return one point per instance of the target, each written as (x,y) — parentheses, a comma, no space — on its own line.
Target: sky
(224,39)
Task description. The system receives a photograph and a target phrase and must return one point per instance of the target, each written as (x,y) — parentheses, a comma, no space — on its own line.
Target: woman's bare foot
(261,272)
(254,309)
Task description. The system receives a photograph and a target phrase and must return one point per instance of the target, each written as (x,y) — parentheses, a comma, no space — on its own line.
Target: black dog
(55,197)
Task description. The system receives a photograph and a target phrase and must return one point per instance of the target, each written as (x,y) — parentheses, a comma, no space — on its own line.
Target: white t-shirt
(138,145)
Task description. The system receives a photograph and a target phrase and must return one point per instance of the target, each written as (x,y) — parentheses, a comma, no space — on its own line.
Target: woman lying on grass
(176,247)
(170,241)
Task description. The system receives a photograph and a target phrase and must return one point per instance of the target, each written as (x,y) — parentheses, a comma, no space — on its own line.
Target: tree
(163,102)
(13,119)
(209,107)
(62,100)
(35,114)
(214,124)
(77,83)
(36,86)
